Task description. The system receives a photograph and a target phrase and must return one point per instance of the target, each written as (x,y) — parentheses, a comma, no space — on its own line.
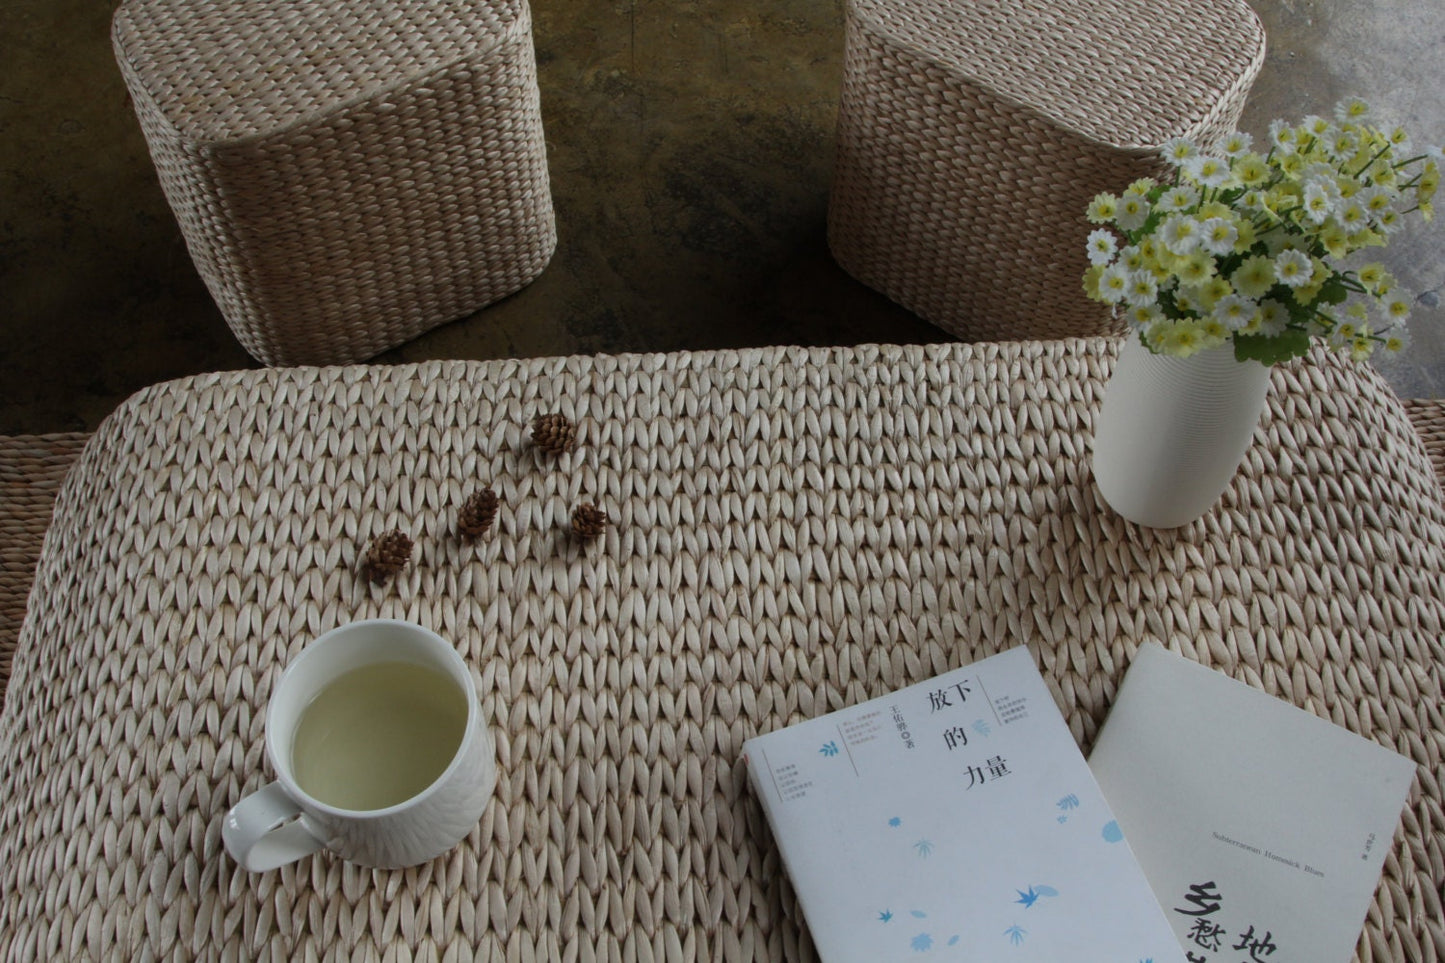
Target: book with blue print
(955,820)
(1263,828)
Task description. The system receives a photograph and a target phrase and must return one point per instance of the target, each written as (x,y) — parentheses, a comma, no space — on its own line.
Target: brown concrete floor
(690,146)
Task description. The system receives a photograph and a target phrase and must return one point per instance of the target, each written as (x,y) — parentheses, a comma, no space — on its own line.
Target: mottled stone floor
(690,147)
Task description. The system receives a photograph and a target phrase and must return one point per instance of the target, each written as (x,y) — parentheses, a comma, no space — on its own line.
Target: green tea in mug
(378,735)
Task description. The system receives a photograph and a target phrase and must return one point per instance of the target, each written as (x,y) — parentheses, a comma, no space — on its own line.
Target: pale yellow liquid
(378,735)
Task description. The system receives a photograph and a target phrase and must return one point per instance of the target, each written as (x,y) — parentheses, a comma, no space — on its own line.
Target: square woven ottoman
(973,133)
(347,175)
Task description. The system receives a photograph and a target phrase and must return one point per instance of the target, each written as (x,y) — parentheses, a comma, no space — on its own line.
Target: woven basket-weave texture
(790,531)
(31,470)
(346,174)
(972,136)
(1428,417)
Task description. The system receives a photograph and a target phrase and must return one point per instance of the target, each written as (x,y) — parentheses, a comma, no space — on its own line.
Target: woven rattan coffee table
(793,531)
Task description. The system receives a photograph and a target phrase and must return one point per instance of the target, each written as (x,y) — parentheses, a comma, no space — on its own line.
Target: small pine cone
(388,554)
(477,513)
(588,521)
(553,433)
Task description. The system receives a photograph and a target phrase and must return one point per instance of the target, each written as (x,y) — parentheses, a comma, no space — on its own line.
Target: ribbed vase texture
(1173,431)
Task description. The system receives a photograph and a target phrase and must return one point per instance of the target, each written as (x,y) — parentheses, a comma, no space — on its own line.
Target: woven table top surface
(791,531)
(1124,73)
(220,70)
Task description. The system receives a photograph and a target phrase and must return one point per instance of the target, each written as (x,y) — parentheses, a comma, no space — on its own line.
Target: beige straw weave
(1428,417)
(347,173)
(31,470)
(792,531)
(972,135)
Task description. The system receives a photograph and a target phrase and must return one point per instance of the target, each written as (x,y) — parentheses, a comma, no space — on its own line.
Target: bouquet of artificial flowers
(1246,245)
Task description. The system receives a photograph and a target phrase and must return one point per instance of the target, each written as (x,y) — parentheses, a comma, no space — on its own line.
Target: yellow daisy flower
(1429,182)
(1254,276)
(1185,338)
(1102,209)
(1251,170)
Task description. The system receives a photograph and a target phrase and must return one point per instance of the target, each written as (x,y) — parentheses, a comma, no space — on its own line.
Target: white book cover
(955,820)
(1262,827)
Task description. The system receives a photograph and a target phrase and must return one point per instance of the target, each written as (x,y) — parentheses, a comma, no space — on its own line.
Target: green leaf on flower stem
(1271,351)
(1334,291)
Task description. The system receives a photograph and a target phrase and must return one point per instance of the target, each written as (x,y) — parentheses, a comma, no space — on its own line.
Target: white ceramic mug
(281,822)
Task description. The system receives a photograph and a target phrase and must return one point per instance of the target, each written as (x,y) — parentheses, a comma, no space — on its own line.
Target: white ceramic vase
(1173,431)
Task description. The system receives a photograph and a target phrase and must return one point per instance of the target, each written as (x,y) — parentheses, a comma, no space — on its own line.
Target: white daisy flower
(1341,143)
(1293,268)
(1396,307)
(1179,199)
(1351,110)
(1179,150)
(1319,200)
(1102,247)
(1353,216)
(1142,316)
(1273,318)
(1283,136)
(1209,171)
(1218,236)
(1142,289)
(1400,140)
(1236,144)
(1397,339)
(1254,202)
(1378,200)
(1180,234)
(1316,126)
(1114,283)
(1234,312)
(1133,211)
(1388,222)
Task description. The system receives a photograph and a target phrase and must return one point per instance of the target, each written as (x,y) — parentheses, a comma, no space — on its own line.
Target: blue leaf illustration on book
(1031,896)
(924,847)
(921,942)
(1070,801)
(954,939)
(918,914)
(829,749)
(1015,934)
(885,916)
(981,727)
(1112,833)
(895,822)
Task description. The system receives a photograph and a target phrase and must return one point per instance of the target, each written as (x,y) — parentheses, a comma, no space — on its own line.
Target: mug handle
(267,829)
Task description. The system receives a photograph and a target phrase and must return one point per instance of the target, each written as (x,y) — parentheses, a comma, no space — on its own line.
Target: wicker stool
(346,174)
(973,133)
